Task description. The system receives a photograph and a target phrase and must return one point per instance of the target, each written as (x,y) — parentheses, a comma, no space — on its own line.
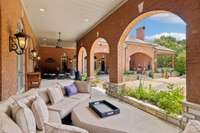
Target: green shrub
(170,101)
(84,77)
(129,72)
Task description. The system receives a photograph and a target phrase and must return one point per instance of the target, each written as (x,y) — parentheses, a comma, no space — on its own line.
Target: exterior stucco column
(154,63)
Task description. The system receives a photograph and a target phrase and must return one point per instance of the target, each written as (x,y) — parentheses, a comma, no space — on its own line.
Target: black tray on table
(104,108)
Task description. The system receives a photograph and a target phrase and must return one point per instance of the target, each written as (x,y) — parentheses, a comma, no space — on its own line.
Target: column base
(113,89)
(90,78)
(191,111)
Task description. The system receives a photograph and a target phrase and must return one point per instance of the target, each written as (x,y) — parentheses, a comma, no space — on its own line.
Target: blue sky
(166,24)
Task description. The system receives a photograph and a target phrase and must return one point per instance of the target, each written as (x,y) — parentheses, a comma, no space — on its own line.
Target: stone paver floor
(145,123)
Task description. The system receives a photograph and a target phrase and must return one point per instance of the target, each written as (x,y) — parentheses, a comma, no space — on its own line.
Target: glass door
(20,74)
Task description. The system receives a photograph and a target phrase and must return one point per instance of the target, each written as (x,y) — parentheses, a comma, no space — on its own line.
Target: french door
(20,74)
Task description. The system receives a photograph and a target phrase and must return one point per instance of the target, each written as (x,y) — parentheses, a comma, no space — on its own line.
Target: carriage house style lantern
(18,42)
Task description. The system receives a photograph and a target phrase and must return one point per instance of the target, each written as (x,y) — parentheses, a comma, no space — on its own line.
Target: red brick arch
(97,47)
(114,29)
(82,54)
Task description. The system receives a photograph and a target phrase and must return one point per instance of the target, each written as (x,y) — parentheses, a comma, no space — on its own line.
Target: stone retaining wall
(154,110)
(149,108)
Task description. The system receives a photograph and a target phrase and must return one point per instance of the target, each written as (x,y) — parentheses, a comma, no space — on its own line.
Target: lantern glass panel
(22,42)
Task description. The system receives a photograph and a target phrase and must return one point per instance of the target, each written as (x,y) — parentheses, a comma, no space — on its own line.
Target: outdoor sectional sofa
(56,111)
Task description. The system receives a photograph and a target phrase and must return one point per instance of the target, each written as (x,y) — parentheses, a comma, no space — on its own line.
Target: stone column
(114,89)
(191,111)
(116,67)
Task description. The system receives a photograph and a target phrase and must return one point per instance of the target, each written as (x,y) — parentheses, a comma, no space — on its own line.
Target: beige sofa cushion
(81,97)
(54,117)
(7,125)
(64,107)
(25,119)
(83,86)
(192,127)
(40,112)
(55,95)
(60,128)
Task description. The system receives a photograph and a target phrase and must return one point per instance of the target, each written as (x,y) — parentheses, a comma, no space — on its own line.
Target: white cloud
(167,18)
(178,36)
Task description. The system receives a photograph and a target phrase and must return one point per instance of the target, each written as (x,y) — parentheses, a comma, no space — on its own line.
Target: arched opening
(139,43)
(144,49)
(82,61)
(99,59)
(139,62)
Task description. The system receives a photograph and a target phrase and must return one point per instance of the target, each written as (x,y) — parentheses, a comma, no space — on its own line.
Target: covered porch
(32,44)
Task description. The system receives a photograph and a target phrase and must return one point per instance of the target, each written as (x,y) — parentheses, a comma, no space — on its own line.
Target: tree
(179,47)
(171,43)
(181,63)
(164,61)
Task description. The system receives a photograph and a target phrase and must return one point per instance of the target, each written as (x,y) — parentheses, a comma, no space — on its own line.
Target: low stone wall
(154,110)
(113,90)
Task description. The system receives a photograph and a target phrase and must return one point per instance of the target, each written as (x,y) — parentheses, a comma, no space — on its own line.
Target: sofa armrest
(60,128)
(54,116)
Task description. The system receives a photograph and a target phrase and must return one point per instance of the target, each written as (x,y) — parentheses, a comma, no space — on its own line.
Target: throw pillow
(59,85)
(83,86)
(55,95)
(70,90)
(27,100)
(42,92)
(40,112)
(25,119)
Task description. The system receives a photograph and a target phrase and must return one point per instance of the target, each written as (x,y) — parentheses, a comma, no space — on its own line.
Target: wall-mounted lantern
(38,58)
(34,55)
(18,42)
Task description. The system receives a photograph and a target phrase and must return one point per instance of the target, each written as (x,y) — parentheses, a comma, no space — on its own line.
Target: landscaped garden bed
(166,105)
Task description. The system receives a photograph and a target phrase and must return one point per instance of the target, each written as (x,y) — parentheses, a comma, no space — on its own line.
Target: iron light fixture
(18,42)
(38,58)
(59,42)
(34,54)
